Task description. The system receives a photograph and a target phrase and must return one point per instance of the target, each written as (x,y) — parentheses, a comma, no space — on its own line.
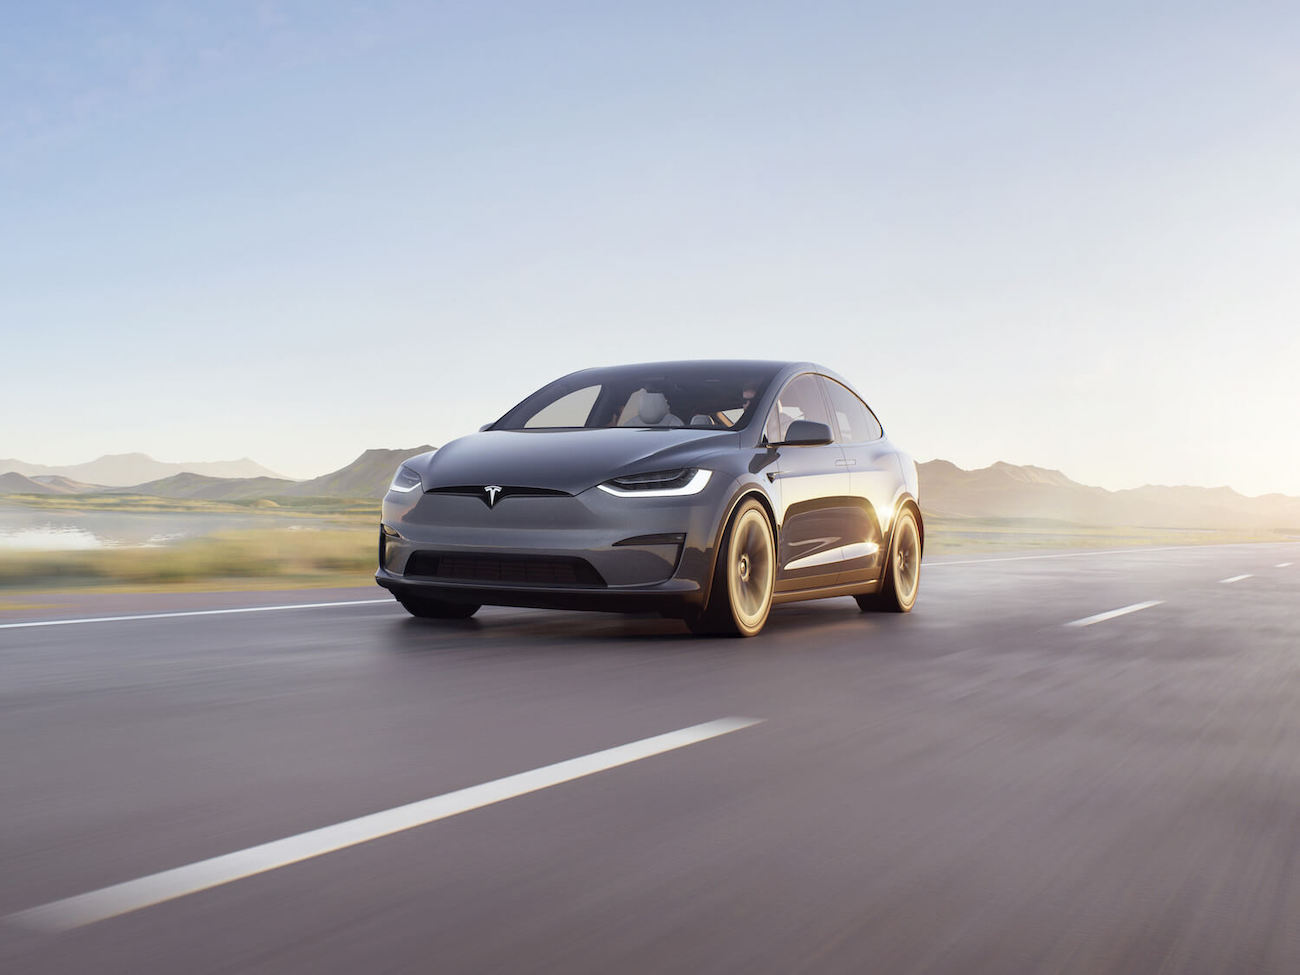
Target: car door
(813,489)
(873,474)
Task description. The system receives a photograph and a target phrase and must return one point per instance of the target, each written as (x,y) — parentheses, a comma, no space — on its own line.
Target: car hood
(565,460)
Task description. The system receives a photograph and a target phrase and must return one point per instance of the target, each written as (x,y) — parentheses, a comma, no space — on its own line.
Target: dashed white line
(192,612)
(1283,565)
(107,902)
(1232,579)
(1111,614)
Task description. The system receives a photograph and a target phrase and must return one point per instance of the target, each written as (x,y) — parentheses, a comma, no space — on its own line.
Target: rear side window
(857,423)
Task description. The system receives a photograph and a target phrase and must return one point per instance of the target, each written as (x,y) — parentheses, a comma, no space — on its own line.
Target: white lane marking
(1111,614)
(192,612)
(107,902)
(1283,565)
(1235,578)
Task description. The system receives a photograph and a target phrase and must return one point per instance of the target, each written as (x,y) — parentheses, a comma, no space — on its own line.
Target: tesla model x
(704,490)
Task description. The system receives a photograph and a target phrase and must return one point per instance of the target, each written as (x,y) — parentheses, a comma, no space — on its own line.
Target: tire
(744,577)
(436,609)
(901,579)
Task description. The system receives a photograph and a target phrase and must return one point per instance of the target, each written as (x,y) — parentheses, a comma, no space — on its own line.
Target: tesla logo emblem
(493,490)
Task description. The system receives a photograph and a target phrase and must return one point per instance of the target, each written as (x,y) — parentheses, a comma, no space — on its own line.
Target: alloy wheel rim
(907,561)
(751,561)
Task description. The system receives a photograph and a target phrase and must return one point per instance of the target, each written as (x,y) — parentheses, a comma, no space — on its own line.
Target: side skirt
(826,592)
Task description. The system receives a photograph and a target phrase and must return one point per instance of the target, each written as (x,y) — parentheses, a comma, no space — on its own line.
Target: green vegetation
(947,535)
(148,503)
(300,542)
(250,559)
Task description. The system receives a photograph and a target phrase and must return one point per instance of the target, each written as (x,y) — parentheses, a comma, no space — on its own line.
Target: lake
(43,529)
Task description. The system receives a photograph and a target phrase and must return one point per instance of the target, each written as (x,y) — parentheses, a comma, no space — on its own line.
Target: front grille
(480,491)
(527,570)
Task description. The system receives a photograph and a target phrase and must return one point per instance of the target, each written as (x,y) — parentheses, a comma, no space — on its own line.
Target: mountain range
(1000,490)
(1009,491)
(123,470)
(365,477)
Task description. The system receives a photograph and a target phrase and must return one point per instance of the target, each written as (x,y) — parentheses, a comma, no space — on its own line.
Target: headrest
(653,408)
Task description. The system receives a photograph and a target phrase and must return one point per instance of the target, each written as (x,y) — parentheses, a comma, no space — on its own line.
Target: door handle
(846,463)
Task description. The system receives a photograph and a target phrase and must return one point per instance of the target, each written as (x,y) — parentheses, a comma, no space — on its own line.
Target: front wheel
(741,595)
(437,609)
(902,575)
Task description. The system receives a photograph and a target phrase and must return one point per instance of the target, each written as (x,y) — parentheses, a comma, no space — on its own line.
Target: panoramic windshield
(706,395)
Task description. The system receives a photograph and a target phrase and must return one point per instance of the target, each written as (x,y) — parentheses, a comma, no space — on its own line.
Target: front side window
(570,410)
(799,400)
(857,423)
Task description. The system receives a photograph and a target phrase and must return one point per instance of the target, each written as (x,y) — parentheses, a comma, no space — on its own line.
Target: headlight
(659,484)
(405,480)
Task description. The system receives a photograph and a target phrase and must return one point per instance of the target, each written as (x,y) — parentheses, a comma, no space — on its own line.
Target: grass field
(147,504)
(296,542)
(333,543)
(334,556)
(948,536)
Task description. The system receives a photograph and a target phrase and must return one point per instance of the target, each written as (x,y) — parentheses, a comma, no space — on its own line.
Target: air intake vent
(519,570)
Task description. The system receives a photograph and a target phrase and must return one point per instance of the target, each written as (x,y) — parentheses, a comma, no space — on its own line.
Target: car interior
(633,399)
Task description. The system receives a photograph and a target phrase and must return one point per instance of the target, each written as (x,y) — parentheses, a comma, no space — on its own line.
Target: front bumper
(632,544)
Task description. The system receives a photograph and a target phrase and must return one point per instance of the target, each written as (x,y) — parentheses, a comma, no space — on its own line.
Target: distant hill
(66,485)
(122,470)
(201,486)
(1007,491)
(13,483)
(366,477)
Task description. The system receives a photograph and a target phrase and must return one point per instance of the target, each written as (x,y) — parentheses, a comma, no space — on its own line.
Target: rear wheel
(902,575)
(741,595)
(437,609)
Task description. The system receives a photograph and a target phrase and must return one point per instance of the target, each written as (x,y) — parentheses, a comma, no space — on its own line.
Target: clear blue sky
(1066,237)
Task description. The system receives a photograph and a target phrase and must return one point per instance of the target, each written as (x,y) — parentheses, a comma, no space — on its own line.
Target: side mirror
(806,433)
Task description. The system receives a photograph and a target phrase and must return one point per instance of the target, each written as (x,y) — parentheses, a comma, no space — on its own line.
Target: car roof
(774,365)
(781,369)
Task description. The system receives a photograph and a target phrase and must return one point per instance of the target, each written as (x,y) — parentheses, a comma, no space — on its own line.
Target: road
(976,787)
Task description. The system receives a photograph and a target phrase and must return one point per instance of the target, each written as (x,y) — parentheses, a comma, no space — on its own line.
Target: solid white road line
(107,902)
(1111,614)
(1235,578)
(192,612)
(1282,565)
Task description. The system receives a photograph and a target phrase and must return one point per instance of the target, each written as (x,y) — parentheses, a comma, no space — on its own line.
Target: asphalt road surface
(977,787)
